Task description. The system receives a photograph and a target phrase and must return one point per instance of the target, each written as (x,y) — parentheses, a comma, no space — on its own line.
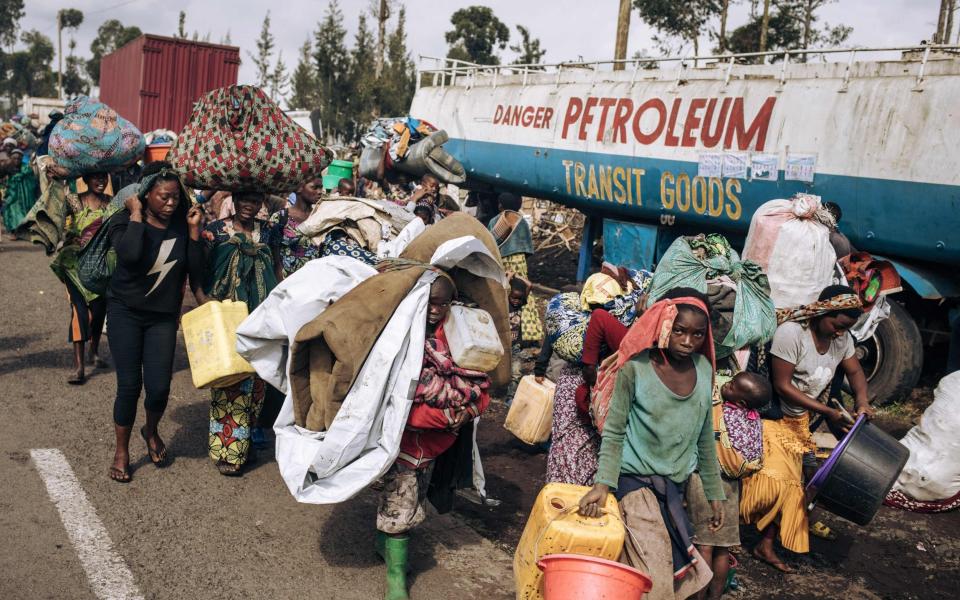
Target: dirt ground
(187,532)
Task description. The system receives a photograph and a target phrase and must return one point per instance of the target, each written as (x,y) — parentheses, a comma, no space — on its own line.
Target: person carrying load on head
(657,432)
(447,397)
(240,267)
(291,248)
(810,343)
(85,213)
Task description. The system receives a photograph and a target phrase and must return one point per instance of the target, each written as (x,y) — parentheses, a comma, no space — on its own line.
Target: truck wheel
(893,358)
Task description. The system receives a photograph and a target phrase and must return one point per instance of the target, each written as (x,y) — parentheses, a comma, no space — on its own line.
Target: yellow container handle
(570,509)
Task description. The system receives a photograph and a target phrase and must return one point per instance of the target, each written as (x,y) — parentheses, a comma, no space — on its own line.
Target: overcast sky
(567,29)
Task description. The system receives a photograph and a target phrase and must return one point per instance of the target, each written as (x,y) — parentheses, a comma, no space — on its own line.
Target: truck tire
(893,358)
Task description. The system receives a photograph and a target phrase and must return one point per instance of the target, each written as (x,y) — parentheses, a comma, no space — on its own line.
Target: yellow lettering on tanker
(667,194)
(733,202)
(592,190)
(715,198)
(566,172)
(606,183)
(683,198)
(637,175)
(578,173)
(699,193)
(619,192)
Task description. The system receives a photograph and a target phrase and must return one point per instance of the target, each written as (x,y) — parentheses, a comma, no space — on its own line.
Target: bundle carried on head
(93,138)
(238,139)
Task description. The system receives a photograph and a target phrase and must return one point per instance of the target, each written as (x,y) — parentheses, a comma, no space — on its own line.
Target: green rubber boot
(396,557)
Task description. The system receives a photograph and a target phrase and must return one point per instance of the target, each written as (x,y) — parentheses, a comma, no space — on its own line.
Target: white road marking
(108,574)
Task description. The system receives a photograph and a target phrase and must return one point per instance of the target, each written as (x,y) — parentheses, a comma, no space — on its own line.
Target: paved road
(181,532)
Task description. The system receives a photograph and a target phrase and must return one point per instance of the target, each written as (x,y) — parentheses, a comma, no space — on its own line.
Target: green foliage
(528,50)
(476,32)
(362,80)
(110,36)
(30,69)
(786,29)
(74,82)
(399,73)
(304,82)
(11,11)
(261,60)
(685,20)
(332,70)
(70,18)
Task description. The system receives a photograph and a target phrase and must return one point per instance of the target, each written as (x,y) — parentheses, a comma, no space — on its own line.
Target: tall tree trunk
(941,22)
(764,25)
(623,33)
(807,24)
(948,28)
(382,15)
(60,56)
(723,26)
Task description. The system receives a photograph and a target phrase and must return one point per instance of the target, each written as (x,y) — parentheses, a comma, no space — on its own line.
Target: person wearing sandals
(240,267)
(85,215)
(157,242)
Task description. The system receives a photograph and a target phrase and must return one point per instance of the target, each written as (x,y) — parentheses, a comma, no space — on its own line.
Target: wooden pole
(623,32)
(764,25)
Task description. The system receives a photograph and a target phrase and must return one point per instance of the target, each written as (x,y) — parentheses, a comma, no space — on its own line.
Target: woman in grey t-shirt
(811,342)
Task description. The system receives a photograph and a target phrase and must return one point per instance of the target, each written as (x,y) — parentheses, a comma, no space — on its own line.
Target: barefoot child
(516,299)
(658,430)
(739,442)
(447,397)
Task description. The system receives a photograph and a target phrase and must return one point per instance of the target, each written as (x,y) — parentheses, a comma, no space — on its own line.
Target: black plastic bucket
(859,473)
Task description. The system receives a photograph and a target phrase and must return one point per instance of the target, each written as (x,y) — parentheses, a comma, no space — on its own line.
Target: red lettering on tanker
(677,122)
(536,117)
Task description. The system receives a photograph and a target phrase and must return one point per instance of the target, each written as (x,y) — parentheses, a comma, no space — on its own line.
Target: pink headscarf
(651,330)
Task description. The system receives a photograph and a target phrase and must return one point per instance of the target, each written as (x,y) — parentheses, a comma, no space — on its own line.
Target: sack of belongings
(790,240)
(93,138)
(348,351)
(743,313)
(238,139)
(411,146)
(930,481)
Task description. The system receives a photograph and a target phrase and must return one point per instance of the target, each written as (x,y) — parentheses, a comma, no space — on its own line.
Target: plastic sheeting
(364,438)
(933,470)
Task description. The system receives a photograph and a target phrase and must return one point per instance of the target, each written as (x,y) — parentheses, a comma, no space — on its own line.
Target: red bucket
(576,577)
(156,152)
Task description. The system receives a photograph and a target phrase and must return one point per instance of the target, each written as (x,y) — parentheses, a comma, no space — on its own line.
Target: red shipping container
(154,81)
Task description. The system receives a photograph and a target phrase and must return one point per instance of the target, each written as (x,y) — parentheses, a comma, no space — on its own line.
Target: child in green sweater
(658,431)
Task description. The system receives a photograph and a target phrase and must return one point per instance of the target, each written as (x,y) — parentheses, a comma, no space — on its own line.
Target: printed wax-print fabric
(233,412)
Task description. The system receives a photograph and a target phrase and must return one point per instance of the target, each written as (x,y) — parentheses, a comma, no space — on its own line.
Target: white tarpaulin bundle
(933,470)
(364,438)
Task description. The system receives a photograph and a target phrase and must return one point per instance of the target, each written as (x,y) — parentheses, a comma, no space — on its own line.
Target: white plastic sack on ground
(364,438)
(933,470)
(789,240)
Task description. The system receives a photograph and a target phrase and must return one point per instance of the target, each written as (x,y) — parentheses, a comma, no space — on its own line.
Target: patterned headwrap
(599,289)
(148,181)
(819,308)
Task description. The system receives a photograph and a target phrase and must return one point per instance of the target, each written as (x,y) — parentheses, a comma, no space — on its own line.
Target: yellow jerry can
(555,527)
(531,412)
(210,333)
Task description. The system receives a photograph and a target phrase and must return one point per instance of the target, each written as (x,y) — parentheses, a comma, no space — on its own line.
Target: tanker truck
(653,148)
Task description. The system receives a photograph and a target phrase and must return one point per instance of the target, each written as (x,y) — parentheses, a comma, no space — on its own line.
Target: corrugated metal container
(153,81)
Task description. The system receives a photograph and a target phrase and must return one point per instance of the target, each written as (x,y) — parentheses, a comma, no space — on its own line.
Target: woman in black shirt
(157,241)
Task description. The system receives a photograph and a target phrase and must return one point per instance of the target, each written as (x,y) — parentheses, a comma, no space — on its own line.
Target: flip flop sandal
(120,475)
(822,531)
(74,380)
(159,459)
(228,470)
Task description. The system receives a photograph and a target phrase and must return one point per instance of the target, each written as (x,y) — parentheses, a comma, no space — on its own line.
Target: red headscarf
(651,330)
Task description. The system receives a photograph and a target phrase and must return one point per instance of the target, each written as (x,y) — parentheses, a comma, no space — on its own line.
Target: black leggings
(142,344)
(86,318)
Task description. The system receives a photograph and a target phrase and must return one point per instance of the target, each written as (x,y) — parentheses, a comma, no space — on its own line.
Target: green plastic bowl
(343,169)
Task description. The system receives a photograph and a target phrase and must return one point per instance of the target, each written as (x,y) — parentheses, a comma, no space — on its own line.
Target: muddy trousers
(142,344)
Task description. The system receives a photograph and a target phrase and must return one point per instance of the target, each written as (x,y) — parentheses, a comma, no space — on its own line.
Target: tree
(11,11)
(684,20)
(303,93)
(30,72)
(399,73)
(182,25)
(764,26)
(74,82)
(476,32)
(110,36)
(264,53)
(67,18)
(528,50)
(363,80)
(784,32)
(332,69)
(279,80)
(381,10)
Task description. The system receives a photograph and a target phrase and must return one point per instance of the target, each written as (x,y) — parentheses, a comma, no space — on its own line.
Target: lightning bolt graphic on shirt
(161,265)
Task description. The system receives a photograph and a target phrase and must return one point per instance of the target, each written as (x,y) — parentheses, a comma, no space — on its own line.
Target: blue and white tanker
(656,148)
